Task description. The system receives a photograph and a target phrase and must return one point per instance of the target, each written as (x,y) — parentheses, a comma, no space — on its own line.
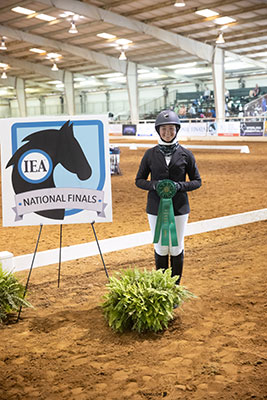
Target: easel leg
(105,268)
(59,261)
(29,275)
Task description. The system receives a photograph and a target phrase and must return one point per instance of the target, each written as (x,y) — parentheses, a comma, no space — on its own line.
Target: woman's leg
(177,252)
(161,252)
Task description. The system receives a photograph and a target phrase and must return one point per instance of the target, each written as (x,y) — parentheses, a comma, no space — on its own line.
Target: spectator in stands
(257,90)
(206,95)
(263,104)
(227,95)
(182,111)
(241,112)
(192,111)
(208,113)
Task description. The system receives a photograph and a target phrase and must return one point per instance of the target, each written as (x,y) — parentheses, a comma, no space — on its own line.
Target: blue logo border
(47,124)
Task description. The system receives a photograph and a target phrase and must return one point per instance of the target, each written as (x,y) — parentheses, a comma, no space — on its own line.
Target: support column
(132,87)
(42,105)
(166,97)
(62,105)
(218,82)
(21,97)
(107,100)
(83,102)
(69,92)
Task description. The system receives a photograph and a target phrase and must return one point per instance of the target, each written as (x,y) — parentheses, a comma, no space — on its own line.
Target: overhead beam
(35,68)
(179,13)
(237,24)
(42,70)
(201,50)
(92,56)
(200,20)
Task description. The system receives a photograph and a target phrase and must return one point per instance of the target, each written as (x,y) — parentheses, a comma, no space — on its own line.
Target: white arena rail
(134,146)
(49,257)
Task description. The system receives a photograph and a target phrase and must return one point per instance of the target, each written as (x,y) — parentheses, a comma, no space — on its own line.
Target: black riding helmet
(167,117)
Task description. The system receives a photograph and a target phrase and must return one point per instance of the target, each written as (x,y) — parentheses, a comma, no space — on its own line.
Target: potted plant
(11,295)
(142,300)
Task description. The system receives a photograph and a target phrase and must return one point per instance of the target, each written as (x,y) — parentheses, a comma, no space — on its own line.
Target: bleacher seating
(205,108)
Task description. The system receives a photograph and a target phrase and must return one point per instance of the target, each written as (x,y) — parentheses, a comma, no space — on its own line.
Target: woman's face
(167,132)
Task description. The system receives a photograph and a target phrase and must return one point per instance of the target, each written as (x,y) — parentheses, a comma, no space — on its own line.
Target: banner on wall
(252,128)
(193,129)
(228,128)
(147,129)
(55,171)
(212,128)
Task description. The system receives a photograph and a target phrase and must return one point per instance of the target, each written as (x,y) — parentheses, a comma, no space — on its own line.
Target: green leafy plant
(142,300)
(11,295)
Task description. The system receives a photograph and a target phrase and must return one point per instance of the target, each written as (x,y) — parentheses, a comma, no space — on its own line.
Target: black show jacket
(182,164)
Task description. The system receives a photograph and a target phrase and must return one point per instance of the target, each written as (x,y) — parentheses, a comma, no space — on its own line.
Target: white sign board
(228,128)
(193,129)
(55,170)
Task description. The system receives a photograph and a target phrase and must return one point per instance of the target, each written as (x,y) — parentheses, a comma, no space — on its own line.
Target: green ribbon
(165,220)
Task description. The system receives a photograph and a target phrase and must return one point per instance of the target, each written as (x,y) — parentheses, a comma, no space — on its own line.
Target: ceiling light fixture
(54,67)
(66,14)
(123,42)
(105,35)
(4,75)
(122,56)
(179,3)
(22,10)
(224,20)
(73,28)
(39,51)
(45,17)
(54,56)
(220,39)
(206,13)
(3,44)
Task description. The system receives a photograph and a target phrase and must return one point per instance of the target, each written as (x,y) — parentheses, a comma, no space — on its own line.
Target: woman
(169,160)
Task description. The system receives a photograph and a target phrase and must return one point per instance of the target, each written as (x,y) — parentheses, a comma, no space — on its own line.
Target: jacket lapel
(161,157)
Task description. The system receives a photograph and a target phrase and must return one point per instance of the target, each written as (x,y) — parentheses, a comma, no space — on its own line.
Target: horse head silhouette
(62,148)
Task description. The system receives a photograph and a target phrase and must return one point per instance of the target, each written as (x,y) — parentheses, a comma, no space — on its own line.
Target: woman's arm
(143,173)
(194,176)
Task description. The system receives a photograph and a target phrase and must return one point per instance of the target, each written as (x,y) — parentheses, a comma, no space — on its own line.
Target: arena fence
(49,257)
(134,146)
(235,128)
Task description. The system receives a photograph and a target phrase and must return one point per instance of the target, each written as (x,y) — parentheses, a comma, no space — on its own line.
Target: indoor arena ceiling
(167,43)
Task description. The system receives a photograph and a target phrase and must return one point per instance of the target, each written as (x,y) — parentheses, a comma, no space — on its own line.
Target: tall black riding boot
(161,261)
(177,266)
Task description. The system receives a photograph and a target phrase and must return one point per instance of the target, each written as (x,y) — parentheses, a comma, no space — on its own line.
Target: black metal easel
(59,261)
(105,268)
(29,275)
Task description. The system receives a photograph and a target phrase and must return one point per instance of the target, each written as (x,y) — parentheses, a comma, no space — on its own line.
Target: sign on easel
(55,170)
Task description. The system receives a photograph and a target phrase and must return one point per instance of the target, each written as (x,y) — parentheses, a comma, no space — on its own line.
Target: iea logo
(35,166)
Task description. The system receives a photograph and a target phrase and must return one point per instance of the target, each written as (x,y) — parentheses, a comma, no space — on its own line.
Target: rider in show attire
(169,160)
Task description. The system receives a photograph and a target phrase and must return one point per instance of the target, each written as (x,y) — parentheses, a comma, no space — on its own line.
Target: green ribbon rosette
(165,223)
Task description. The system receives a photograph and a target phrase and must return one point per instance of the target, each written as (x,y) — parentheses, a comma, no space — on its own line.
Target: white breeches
(180,223)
